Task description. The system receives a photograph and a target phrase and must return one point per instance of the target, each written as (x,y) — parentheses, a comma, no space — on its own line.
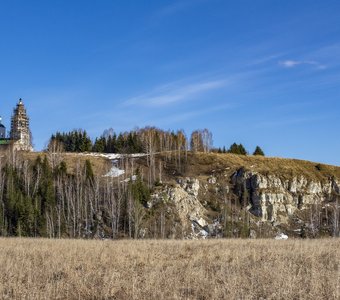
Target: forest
(142,140)
(41,198)
(57,193)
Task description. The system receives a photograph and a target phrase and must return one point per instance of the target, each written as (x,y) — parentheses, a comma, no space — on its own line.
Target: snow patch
(114,172)
(203,233)
(113,156)
(133,178)
(281,236)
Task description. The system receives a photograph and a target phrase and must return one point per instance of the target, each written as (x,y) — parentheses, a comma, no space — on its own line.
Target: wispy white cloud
(329,52)
(294,63)
(265,59)
(289,63)
(175,92)
(181,117)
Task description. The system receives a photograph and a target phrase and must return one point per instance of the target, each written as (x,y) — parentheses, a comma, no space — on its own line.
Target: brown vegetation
(212,269)
(281,167)
(201,163)
(100,165)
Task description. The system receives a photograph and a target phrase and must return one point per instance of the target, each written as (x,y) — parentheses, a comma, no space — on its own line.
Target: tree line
(143,140)
(240,150)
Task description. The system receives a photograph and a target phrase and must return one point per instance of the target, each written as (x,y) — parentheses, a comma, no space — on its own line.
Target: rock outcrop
(225,195)
(184,197)
(267,198)
(275,199)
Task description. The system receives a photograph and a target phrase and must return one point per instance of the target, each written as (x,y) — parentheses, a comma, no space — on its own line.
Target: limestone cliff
(216,195)
(275,199)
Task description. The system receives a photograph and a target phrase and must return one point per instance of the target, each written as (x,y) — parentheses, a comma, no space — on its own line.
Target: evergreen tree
(46,195)
(140,191)
(233,149)
(62,168)
(111,146)
(237,149)
(73,141)
(99,145)
(88,170)
(258,151)
(120,145)
(242,150)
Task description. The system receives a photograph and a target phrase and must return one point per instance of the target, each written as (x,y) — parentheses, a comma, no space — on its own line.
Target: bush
(318,167)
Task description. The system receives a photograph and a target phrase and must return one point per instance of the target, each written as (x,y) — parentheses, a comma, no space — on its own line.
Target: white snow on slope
(281,236)
(113,155)
(114,172)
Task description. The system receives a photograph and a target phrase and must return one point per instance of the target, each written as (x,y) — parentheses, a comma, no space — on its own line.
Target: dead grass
(213,269)
(203,163)
(100,165)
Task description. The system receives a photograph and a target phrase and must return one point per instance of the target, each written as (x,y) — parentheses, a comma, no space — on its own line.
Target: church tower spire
(20,131)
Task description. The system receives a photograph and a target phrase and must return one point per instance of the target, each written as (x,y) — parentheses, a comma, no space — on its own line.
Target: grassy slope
(204,164)
(100,165)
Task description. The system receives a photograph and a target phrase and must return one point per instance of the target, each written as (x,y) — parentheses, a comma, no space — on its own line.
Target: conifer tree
(258,151)
(237,149)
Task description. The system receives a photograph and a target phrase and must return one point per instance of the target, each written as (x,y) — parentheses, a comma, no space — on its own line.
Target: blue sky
(254,72)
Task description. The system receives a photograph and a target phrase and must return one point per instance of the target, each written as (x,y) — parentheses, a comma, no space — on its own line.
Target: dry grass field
(150,269)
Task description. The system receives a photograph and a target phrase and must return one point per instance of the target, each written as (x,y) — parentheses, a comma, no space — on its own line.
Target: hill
(172,194)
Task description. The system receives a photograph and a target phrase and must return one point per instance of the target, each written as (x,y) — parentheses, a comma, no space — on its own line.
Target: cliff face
(275,199)
(191,213)
(222,198)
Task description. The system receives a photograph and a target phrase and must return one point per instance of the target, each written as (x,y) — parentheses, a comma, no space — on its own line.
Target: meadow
(169,269)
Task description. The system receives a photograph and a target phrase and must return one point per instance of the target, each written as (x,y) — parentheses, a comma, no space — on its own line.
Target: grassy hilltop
(205,163)
(196,164)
